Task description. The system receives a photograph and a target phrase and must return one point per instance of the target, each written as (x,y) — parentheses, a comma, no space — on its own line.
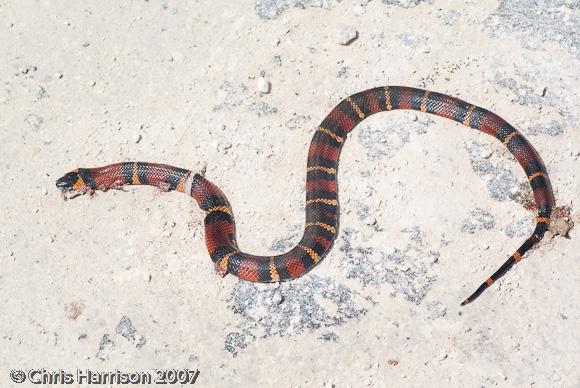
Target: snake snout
(68,181)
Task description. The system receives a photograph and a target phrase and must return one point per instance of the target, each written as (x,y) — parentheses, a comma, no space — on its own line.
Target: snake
(322,205)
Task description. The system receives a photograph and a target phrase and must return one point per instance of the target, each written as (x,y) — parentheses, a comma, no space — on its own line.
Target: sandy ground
(429,208)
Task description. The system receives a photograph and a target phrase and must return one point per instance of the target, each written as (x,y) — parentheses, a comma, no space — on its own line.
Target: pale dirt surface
(429,208)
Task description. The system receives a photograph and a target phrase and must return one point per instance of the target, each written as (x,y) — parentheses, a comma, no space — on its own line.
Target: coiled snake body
(321,185)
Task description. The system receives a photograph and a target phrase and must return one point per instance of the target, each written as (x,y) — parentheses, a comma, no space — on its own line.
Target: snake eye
(67,182)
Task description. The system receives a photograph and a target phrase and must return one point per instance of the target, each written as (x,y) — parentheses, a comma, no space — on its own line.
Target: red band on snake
(321,226)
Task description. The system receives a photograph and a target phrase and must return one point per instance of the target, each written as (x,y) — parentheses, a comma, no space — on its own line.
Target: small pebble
(346,35)
(277,60)
(485,152)
(58,75)
(137,137)
(263,85)
(44,191)
(28,69)
(277,298)
(93,83)
(224,147)
(542,91)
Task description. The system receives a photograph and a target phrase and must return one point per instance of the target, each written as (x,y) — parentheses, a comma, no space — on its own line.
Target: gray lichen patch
(235,96)
(406,3)
(387,138)
(298,122)
(551,128)
(231,95)
(286,243)
(34,121)
(271,9)
(412,40)
(549,21)
(448,17)
(519,228)
(478,219)
(329,337)
(309,304)
(262,108)
(106,346)
(436,310)
(501,183)
(127,330)
(525,94)
(405,269)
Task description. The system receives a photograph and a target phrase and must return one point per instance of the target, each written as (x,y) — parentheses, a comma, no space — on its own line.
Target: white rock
(277,298)
(263,85)
(346,34)
(137,137)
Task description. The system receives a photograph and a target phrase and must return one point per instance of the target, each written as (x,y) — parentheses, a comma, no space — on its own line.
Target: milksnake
(321,225)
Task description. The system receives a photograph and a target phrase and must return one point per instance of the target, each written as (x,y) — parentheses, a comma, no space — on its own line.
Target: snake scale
(321,225)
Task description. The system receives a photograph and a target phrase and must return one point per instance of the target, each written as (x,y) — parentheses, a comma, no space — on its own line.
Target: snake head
(72,184)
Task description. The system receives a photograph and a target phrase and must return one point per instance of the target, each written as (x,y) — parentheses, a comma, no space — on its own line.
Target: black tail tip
(466,301)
